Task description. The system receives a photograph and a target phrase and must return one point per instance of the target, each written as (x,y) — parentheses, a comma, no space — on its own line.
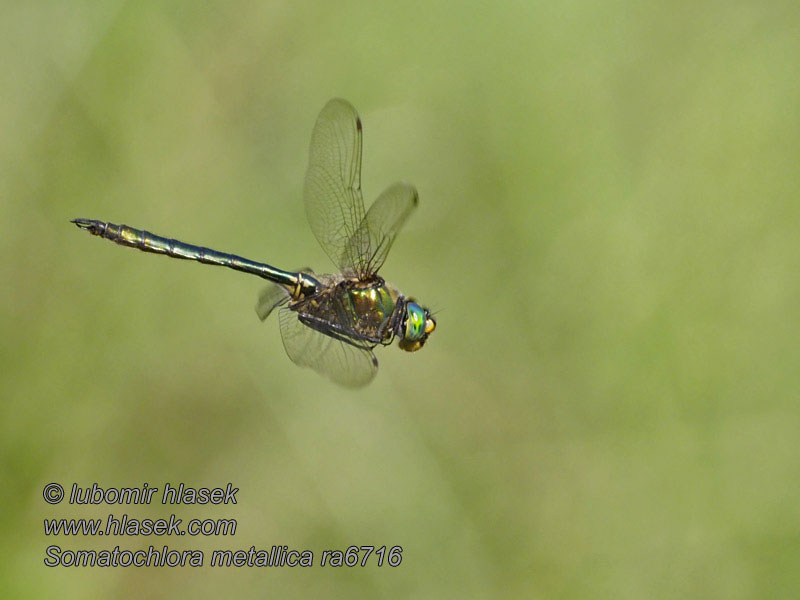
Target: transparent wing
(332,191)
(371,242)
(343,363)
(270,298)
(273,296)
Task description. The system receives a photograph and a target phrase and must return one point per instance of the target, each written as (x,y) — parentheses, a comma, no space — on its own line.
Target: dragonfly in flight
(332,322)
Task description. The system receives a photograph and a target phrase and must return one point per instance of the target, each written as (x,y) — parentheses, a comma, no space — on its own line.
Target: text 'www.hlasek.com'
(118,523)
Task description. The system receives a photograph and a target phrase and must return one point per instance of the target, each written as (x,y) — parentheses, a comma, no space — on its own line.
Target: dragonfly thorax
(373,305)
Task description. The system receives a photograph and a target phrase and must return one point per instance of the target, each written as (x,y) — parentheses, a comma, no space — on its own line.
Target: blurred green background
(608,224)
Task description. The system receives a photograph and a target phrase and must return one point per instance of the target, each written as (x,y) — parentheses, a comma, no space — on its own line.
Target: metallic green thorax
(364,313)
(373,308)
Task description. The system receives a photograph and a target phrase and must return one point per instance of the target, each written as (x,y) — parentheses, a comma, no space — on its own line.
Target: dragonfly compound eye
(415,322)
(416,327)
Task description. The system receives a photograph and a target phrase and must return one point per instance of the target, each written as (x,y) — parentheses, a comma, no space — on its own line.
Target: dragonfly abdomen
(150,242)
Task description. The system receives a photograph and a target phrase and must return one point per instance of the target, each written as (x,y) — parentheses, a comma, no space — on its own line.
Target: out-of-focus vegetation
(608,224)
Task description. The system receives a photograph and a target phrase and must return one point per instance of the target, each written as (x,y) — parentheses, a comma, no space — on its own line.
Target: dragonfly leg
(335,331)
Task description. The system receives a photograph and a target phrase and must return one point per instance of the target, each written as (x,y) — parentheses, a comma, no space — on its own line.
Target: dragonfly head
(415,327)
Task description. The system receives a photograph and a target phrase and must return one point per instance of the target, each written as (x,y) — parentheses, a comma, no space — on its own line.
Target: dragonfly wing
(374,237)
(270,298)
(342,362)
(332,191)
(273,296)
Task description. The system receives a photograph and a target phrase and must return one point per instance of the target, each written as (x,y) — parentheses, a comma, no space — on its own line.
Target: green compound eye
(415,322)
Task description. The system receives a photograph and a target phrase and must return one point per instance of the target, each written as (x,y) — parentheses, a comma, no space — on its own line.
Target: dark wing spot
(358,123)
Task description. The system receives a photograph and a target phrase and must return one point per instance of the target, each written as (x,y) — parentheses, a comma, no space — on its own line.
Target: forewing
(342,362)
(375,235)
(332,191)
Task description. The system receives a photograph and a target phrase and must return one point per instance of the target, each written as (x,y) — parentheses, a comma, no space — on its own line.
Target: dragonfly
(331,323)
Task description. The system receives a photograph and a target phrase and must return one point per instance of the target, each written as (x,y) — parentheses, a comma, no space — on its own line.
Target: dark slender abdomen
(149,242)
